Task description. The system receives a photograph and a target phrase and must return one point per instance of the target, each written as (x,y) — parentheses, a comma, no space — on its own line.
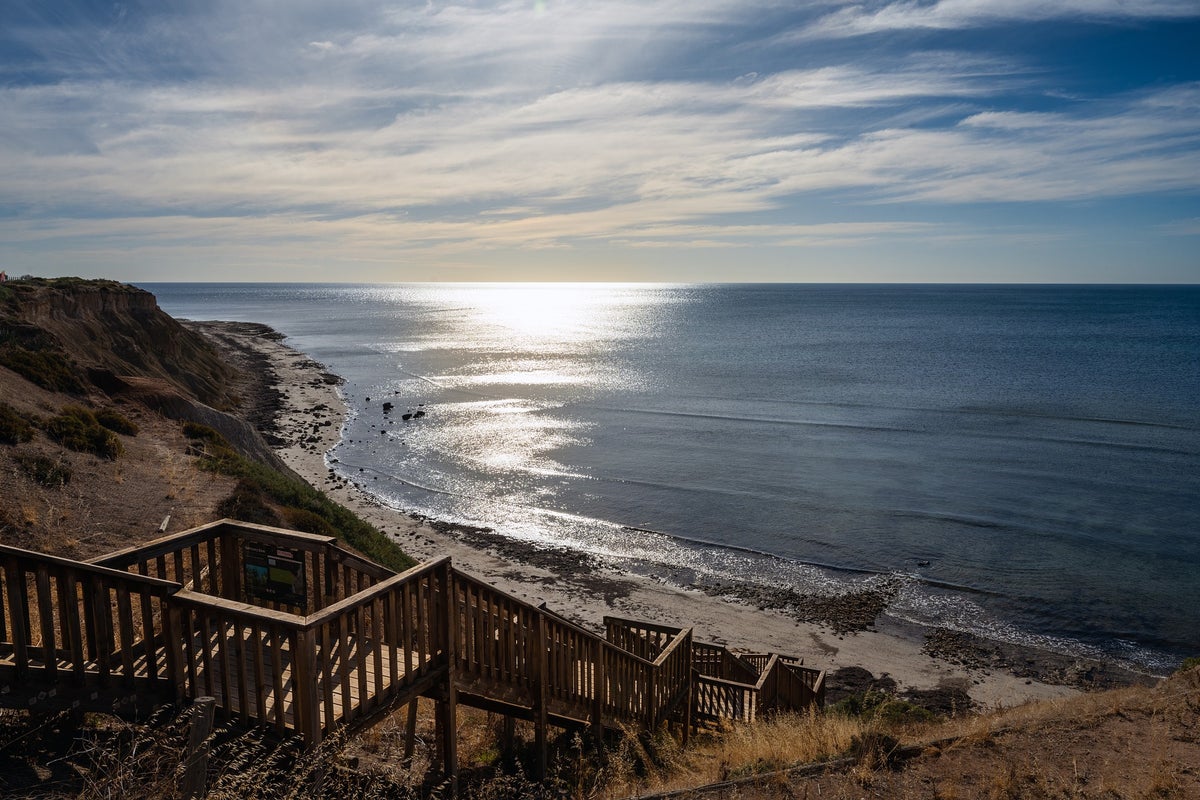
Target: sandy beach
(308,415)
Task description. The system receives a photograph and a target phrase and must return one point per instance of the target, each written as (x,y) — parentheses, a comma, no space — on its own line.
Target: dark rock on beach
(975,652)
(844,613)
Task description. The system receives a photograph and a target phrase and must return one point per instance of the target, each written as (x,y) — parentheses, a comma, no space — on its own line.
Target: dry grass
(1128,743)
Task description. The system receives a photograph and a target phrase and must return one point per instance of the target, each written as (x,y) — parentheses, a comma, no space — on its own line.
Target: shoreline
(302,410)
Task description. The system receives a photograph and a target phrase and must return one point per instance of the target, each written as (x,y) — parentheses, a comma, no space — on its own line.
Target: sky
(606,140)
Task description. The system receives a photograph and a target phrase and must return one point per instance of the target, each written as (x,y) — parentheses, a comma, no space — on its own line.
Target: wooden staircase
(289,630)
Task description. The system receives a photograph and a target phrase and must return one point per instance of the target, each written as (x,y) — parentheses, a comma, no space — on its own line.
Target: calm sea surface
(1024,461)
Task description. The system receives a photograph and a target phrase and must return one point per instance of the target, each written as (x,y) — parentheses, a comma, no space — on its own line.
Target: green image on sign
(275,573)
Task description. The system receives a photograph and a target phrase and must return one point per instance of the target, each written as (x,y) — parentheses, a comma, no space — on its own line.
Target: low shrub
(1190,663)
(116,422)
(43,470)
(14,427)
(247,504)
(301,519)
(76,428)
(46,368)
(882,706)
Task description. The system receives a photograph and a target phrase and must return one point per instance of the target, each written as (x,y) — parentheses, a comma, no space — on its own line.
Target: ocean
(1022,461)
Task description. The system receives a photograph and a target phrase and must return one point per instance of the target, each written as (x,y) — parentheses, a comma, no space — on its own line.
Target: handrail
(345,557)
(646,626)
(670,649)
(558,619)
(238,609)
(369,594)
(175,541)
(86,566)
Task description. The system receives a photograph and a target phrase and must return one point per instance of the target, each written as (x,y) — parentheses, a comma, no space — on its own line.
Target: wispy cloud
(425,130)
(863,18)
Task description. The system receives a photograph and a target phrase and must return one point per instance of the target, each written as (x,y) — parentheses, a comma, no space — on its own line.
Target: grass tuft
(116,422)
(43,470)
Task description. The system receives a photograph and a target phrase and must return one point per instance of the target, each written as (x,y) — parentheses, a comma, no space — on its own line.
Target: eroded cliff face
(74,347)
(108,328)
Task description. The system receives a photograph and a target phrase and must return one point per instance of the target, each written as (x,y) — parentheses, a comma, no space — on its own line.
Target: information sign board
(275,573)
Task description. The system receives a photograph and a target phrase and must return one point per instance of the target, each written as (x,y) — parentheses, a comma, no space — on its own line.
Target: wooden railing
(68,623)
(534,656)
(211,559)
(310,674)
(186,615)
(782,684)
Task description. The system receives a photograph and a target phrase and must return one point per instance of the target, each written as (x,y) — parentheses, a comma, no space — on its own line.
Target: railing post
(689,688)
(196,757)
(449,707)
(230,562)
(601,691)
(307,711)
(173,646)
(539,695)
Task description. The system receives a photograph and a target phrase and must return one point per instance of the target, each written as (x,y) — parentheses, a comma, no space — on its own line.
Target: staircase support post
(540,694)
(448,708)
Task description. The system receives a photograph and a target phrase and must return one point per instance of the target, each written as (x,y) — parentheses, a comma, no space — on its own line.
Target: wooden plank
(224,663)
(360,649)
(420,621)
(376,639)
(260,677)
(206,650)
(450,724)
(3,606)
(46,614)
(312,566)
(214,586)
(230,561)
(62,607)
(243,672)
(540,698)
(14,579)
(325,645)
(68,595)
(304,678)
(277,656)
(173,641)
(407,602)
(148,637)
(344,667)
(187,630)
(389,625)
(102,611)
(125,621)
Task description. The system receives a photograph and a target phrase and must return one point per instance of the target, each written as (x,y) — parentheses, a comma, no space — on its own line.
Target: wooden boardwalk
(289,630)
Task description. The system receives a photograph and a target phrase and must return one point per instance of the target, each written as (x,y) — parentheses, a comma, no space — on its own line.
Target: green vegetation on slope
(303,507)
(77,428)
(14,427)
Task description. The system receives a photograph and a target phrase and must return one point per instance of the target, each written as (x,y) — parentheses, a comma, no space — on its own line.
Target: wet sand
(301,409)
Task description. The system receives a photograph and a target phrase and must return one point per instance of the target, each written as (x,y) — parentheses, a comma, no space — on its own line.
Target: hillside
(117,422)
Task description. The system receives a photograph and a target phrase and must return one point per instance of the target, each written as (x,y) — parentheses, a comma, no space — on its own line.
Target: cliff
(96,382)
